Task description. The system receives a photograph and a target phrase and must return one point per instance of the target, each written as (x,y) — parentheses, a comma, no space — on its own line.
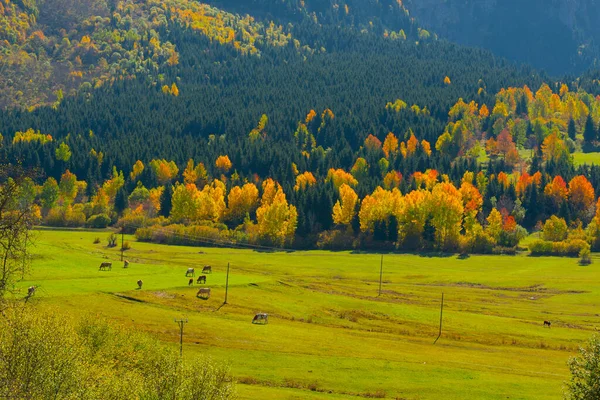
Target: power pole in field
(441,313)
(181,322)
(226,284)
(380,274)
(122,241)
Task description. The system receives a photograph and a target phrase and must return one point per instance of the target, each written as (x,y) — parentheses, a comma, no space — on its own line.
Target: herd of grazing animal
(202,292)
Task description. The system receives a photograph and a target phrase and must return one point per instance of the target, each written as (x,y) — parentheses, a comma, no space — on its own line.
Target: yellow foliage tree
(344,209)
(223,164)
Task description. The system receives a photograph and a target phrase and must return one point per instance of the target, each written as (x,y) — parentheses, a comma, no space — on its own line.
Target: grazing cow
(207,269)
(262,318)
(31,291)
(125,263)
(191,282)
(204,293)
(105,265)
(547,324)
(190,272)
(140,283)
(201,279)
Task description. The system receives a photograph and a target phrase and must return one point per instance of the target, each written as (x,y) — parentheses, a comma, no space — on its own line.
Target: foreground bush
(585,372)
(44,356)
(182,235)
(566,248)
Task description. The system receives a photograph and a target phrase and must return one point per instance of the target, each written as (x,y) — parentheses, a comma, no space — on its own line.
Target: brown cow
(204,293)
(547,324)
(105,265)
(201,279)
(261,318)
(207,269)
(140,283)
(191,282)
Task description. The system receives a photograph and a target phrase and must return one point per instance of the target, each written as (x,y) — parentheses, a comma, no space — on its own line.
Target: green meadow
(330,334)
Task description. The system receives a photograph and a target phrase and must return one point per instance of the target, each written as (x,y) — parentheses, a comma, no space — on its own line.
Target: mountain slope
(557,35)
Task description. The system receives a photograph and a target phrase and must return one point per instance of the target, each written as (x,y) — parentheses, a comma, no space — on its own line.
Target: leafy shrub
(98,221)
(97,240)
(480,243)
(46,355)
(206,235)
(512,238)
(585,372)
(335,240)
(66,216)
(112,240)
(126,246)
(555,229)
(585,256)
(566,248)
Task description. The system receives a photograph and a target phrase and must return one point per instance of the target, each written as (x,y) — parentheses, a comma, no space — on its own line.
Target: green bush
(207,235)
(566,248)
(98,221)
(46,355)
(335,240)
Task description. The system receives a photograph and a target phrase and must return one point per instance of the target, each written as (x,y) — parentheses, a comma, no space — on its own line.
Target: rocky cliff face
(558,35)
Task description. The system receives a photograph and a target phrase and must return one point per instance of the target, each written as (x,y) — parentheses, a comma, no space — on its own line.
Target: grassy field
(586,158)
(330,336)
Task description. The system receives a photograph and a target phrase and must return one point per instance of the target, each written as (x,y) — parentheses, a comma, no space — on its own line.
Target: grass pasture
(330,336)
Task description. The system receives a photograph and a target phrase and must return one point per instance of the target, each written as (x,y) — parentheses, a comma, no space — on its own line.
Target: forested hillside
(301,125)
(556,35)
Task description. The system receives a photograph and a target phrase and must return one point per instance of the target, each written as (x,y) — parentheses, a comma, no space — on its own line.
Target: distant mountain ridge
(560,36)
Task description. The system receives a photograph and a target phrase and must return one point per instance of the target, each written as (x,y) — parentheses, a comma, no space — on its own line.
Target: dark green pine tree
(572,130)
(589,133)
(165,201)
(121,201)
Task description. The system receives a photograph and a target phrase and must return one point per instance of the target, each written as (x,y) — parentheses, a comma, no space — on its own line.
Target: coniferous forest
(296,124)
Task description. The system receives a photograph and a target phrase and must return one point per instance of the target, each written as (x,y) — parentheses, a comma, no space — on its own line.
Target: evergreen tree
(572,130)
(589,133)
(121,201)
(165,201)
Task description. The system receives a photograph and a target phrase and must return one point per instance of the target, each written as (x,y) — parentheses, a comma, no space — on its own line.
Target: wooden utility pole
(122,241)
(226,284)
(181,322)
(441,313)
(380,274)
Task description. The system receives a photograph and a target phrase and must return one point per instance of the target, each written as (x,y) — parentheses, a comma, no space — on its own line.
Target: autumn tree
(446,214)
(241,201)
(276,219)
(195,174)
(137,170)
(372,143)
(390,145)
(17,217)
(164,171)
(494,224)
(339,177)
(304,180)
(344,209)
(412,216)
(581,195)
(49,194)
(555,229)
(360,169)
(378,208)
(557,190)
(63,152)
(223,164)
